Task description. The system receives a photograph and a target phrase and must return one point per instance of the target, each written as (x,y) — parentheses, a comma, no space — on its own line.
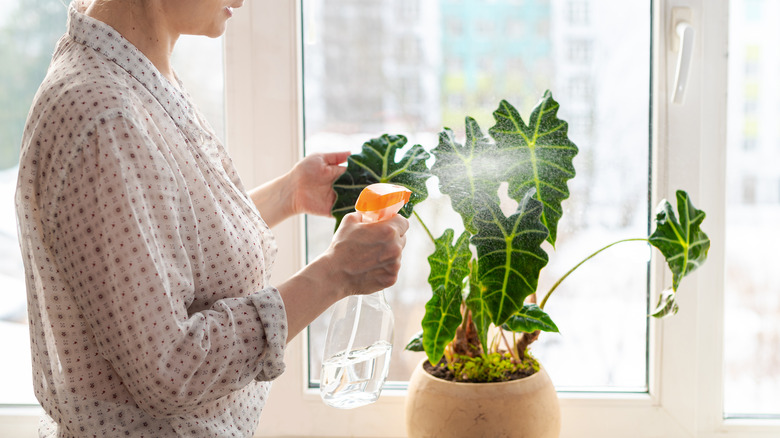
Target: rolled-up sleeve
(138,241)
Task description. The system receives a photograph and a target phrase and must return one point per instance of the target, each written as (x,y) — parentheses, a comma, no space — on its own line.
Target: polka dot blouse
(147,265)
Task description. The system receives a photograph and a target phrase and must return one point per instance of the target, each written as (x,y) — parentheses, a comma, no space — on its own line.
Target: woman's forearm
(274,199)
(307,294)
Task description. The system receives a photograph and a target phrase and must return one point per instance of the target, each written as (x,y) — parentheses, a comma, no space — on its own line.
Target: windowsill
(770,423)
(21,420)
(566,397)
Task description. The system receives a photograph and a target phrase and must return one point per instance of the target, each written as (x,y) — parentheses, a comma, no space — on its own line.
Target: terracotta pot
(525,408)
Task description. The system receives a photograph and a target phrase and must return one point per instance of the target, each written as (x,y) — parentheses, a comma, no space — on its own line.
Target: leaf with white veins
(376,163)
(541,156)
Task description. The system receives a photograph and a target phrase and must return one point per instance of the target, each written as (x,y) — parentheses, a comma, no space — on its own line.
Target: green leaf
(469,174)
(415,343)
(667,304)
(449,266)
(450,262)
(683,243)
(510,256)
(376,163)
(541,156)
(530,319)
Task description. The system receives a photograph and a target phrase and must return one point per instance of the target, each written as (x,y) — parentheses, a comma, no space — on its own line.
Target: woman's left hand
(313,179)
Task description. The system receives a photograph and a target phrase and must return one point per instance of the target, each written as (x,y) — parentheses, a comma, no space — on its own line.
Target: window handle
(685,33)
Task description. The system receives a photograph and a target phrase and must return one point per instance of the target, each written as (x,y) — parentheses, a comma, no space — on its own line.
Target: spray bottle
(359,342)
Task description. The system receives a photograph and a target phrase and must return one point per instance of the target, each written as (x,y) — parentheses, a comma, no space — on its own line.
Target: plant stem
(555,286)
(424,226)
(511,348)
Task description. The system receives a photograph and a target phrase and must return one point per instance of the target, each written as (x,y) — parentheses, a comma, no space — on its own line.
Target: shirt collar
(111,44)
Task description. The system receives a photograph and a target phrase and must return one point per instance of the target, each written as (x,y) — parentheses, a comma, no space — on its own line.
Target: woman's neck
(143,23)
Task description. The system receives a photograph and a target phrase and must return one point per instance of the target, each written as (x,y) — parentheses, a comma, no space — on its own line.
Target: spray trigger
(381,201)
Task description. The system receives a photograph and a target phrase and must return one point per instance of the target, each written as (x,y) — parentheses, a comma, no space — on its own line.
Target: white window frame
(689,143)
(685,398)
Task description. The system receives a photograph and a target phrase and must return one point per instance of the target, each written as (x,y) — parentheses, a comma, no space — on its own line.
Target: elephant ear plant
(482,315)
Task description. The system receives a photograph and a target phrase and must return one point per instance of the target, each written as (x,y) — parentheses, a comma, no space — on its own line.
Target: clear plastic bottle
(359,341)
(357,351)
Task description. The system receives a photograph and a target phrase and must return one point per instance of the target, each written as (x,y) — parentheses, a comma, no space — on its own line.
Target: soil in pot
(443,372)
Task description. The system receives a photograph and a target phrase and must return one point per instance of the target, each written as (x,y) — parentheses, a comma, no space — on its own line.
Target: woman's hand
(366,257)
(312,179)
(306,188)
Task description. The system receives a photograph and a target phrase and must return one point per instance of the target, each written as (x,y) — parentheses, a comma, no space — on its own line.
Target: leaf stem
(424,226)
(510,347)
(560,280)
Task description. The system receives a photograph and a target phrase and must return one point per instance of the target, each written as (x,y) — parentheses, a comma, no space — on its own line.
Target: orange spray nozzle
(381,201)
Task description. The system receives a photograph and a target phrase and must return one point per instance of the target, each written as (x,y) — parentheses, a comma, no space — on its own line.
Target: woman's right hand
(366,257)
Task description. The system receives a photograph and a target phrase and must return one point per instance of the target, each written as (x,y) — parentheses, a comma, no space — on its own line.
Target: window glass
(361,80)
(29,31)
(752,282)
(578,12)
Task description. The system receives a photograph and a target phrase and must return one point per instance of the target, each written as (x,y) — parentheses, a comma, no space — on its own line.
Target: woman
(151,312)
